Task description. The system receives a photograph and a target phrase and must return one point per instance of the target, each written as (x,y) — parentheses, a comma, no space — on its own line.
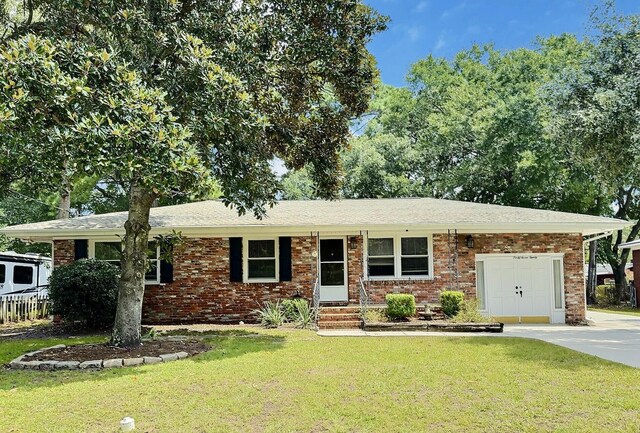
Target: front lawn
(289,380)
(617,310)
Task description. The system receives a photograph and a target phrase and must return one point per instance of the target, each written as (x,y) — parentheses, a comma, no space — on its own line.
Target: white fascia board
(588,228)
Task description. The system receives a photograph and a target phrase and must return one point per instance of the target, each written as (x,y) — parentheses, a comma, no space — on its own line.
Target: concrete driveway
(615,337)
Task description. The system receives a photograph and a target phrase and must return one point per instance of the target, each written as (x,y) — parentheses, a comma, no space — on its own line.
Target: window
(480,287)
(153,254)
(399,257)
(557,284)
(261,259)
(22,275)
(108,252)
(414,256)
(112,251)
(381,259)
(3,273)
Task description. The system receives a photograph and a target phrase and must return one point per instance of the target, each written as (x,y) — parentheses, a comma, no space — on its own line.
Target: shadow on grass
(223,345)
(529,350)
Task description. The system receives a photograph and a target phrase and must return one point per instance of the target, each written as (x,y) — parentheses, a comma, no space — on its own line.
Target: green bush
(606,294)
(85,291)
(271,315)
(400,306)
(451,302)
(290,308)
(470,313)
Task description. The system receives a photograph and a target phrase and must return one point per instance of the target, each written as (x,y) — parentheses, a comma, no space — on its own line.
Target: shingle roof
(364,214)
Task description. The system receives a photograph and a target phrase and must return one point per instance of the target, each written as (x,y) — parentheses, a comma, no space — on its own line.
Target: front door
(333,270)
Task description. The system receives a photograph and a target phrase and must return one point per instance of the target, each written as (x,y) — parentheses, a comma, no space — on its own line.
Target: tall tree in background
(167,96)
(596,115)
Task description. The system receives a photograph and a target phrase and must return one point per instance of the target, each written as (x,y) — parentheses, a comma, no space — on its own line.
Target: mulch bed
(90,352)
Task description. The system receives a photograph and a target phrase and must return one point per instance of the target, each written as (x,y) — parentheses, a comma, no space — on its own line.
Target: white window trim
(92,254)
(562,294)
(480,259)
(245,260)
(397,255)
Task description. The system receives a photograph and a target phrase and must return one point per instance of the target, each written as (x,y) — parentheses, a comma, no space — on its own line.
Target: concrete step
(324,317)
(340,310)
(342,324)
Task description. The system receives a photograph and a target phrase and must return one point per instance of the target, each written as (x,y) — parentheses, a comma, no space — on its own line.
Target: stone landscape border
(19,364)
(435,326)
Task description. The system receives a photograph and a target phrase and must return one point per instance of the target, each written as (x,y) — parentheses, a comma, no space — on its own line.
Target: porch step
(341,317)
(346,309)
(335,317)
(341,324)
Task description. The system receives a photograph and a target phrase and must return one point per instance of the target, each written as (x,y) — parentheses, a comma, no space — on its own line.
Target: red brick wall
(201,290)
(429,290)
(63,252)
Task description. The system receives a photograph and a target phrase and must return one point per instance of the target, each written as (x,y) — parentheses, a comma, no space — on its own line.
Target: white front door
(519,288)
(333,270)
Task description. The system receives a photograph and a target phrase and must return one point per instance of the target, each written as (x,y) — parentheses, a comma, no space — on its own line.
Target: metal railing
(364,298)
(316,301)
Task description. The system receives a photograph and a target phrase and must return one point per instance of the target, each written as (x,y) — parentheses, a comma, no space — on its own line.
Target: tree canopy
(165,98)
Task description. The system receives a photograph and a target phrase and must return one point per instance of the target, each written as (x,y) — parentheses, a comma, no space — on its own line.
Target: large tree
(166,96)
(595,115)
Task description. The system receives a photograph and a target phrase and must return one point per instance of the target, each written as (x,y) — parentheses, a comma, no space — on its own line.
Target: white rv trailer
(24,273)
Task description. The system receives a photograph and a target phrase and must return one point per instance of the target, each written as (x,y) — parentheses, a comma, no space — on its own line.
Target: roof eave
(586,229)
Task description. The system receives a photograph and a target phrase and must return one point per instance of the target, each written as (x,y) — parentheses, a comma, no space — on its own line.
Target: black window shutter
(285,258)
(81,249)
(235,260)
(166,270)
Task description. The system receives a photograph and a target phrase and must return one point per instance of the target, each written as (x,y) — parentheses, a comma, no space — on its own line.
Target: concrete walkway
(615,337)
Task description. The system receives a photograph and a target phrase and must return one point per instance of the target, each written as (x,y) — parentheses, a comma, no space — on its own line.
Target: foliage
(303,317)
(470,313)
(290,307)
(595,112)
(451,302)
(85,291)
(166,99)
(271,315)
(376,315)
(400,305)
(606,295)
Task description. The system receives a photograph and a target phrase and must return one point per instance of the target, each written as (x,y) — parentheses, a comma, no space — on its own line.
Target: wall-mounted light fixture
(353,242)
(469,240)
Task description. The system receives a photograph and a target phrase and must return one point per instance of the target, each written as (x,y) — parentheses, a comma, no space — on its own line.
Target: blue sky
(443,27)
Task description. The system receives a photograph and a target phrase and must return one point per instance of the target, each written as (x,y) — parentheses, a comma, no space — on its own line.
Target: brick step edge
(19,364)
(339,317)
(350,324)
(339,310)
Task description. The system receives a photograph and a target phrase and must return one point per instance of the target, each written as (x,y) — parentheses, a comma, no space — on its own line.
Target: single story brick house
(524,265)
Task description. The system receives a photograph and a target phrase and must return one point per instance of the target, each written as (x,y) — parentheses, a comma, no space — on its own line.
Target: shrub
(303,316)
(85,291)
(451,301)
(606,294)
(470,313)
(271,315)
(400,306)
(290,308)
(376,315)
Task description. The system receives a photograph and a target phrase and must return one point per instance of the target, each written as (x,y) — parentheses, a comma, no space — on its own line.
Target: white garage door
(523,288)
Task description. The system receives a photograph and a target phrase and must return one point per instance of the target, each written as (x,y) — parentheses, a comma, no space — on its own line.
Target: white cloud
(415,33)
(440,43)
(421,7)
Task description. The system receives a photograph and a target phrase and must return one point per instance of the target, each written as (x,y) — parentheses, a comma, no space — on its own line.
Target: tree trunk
(64,208)
(591,274)
(126,329)
(620,279)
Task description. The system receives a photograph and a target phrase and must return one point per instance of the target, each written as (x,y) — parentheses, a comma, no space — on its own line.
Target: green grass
(617,310)
(295,381)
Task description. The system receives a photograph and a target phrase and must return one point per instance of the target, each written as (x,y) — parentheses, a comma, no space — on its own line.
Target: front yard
(290,380)
(617,310)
